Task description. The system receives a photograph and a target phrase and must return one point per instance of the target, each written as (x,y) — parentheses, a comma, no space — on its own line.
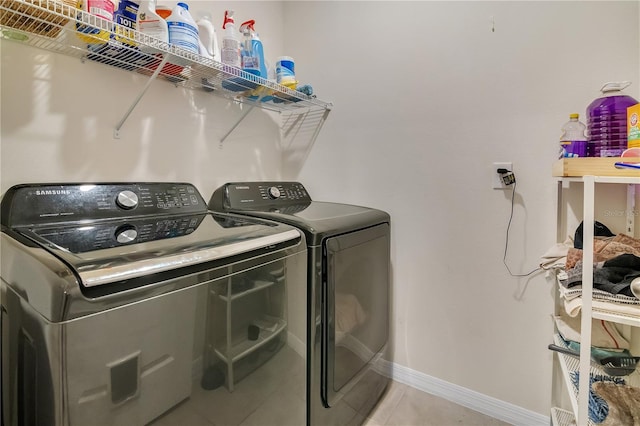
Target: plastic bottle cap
(574,115)
(184,6)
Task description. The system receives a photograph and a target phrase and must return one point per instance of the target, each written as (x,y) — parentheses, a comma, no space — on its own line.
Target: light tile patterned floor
(258,400)
(401,406)
(405,406)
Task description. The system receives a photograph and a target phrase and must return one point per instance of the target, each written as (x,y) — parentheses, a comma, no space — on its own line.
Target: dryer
(348,289)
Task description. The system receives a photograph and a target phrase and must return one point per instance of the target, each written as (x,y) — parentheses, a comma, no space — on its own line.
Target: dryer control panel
(259,196)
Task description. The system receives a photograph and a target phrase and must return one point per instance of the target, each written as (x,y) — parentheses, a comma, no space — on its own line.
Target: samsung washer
(121,301)
(348,288)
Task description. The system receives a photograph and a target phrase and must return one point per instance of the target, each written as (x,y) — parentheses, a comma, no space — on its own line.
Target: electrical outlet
(496,180)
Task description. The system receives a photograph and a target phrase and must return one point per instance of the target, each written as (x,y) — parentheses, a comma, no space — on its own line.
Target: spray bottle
(230,54)
(151,24)
(252,52)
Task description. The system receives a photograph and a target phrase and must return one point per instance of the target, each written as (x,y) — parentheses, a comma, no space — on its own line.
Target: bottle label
(183,35)
(125,17)
(285,71)
(251,62)
(101,8)
(230,52)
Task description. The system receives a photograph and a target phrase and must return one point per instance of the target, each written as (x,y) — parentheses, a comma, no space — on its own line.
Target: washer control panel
(107,234)
(258,195)
(41,204)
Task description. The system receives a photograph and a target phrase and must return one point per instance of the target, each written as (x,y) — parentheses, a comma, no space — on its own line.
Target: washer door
(356,309)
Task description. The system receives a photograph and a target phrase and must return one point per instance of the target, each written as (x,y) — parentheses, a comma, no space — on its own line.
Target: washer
(348,286)
(122,300)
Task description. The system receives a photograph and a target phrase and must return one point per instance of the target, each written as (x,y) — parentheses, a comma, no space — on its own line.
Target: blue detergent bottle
(252,50)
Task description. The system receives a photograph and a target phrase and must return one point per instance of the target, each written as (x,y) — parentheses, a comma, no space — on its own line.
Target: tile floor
(258,399)
(403,405)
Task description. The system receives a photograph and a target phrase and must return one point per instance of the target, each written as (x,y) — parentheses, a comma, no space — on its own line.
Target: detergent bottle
(125,16)
(90,34)
(183,30)
(230,53)
(252,51)
(607,120)
(151,24)
(209,47)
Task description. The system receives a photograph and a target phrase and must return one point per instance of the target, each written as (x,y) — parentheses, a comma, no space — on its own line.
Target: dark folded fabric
(599,230)
(613,276)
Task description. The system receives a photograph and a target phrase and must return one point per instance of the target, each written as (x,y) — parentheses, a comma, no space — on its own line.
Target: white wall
(58,116)
(426,97)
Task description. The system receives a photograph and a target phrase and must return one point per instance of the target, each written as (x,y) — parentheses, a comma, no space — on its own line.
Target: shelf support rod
(242,117)
(587,293)
(116,131)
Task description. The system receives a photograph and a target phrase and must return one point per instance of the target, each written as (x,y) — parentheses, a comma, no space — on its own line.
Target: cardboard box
(633,126)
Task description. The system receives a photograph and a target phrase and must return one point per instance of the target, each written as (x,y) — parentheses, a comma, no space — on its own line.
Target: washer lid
(110,233)
(115,251)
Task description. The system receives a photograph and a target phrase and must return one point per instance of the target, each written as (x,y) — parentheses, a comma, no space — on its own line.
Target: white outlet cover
(496,181)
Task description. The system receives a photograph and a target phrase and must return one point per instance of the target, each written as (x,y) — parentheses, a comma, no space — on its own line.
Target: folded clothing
(613,276)
(605,248)
(602,302)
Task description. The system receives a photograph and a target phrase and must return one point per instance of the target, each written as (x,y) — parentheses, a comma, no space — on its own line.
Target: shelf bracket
(242,117)
(116,131)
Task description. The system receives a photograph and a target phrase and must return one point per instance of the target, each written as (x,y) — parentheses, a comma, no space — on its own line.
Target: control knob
(127,200)
(126,234)
(273,192)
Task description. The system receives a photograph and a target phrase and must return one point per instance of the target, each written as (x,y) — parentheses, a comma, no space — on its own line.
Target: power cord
(509,178)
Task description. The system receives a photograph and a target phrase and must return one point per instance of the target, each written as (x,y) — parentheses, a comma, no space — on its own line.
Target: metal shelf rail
(57,26)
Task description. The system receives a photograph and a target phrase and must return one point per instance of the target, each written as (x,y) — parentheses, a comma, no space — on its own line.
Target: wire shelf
(57,26)
(560,417)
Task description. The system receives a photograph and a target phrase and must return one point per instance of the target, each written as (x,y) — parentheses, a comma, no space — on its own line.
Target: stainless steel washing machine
(348,284)
(130,303)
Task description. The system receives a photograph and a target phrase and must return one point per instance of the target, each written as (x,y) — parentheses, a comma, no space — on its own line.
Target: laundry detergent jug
(607,121)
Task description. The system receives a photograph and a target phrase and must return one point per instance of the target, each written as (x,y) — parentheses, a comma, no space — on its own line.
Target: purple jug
(607,121)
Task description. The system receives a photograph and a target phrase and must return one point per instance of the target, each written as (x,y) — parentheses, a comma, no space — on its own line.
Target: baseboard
(476,401)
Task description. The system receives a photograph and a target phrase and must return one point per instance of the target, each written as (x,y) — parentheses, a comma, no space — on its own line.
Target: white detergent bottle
(209,47)
(183,30)
(150,23)
(230,52)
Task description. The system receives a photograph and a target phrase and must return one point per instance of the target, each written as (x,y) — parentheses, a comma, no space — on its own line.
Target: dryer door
(356,309)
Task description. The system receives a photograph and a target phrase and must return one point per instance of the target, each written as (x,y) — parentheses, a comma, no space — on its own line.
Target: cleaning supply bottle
(183,30)
(209,47)
(91,34)
(230,53)
(606,120)
(252,51)
(150,23)
(573,140)
(125,16)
